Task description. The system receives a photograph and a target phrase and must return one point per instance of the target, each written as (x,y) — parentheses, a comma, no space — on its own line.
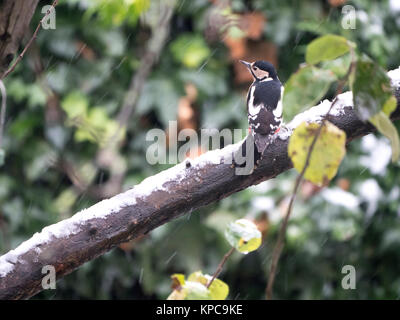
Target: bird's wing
(269,94)
(265,108)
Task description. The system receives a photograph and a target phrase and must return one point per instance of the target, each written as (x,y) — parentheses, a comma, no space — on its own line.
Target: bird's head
(261,70)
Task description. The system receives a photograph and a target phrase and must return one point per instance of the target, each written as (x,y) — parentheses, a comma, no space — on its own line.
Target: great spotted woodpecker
(264,103)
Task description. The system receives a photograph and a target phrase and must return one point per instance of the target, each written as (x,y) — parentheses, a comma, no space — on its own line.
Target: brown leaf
(83,50)
(308,189)
(237,47)
(187,118)
(343,183)
(254,51)
(252,24)
(336,3)
(192,155)
(262,224)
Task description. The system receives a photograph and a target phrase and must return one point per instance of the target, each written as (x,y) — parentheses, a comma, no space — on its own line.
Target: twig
(282,232)
(154,48)
(3,109)
(220,266)
(22,54)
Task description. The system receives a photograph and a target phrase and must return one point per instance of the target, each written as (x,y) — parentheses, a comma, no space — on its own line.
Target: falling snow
(175,174)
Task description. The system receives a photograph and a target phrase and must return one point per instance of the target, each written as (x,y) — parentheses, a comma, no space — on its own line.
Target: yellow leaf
(243,235)
(326,156)
(219,290)
(178,280)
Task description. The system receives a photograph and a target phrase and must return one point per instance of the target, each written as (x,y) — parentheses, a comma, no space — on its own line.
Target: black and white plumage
(264,103)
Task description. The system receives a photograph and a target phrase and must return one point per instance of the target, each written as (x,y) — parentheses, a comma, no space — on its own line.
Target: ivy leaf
(304,89)
(326,156)
(115,12)
(371,88)
(243,235)
(75,105)
(382,122)
(328,47)
(190,50)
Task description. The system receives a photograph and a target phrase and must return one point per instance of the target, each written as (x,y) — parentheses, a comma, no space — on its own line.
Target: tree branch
(157,200)
(15,16)
(28,45)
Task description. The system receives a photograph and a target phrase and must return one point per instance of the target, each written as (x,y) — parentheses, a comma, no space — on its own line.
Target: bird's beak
(247,64)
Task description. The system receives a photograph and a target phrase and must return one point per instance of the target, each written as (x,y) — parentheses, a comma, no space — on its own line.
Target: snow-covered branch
(157,200)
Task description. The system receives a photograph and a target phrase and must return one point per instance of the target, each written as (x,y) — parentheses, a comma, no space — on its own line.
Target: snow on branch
(155,201)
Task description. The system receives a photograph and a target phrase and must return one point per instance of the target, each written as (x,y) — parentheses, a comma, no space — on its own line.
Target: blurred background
(143,63)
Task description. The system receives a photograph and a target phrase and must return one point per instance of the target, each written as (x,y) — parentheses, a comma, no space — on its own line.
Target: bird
(264,103)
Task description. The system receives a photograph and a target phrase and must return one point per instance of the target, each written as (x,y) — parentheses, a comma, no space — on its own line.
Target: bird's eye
(255,68)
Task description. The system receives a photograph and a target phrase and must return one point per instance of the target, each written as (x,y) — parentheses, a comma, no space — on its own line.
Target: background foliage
(63,101)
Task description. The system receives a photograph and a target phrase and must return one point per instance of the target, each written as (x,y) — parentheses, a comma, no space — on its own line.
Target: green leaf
(326,156)
(339,66)
(162,95)
(116,12)
(65,200)
(75,105)
(304,89)
(371,88)
(328,47)
(95,126)
(390,105)
(382,122)
(243,235)
(190,50)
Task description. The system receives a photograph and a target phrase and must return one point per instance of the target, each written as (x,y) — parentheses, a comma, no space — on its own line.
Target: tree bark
(157,200)
(15,16)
